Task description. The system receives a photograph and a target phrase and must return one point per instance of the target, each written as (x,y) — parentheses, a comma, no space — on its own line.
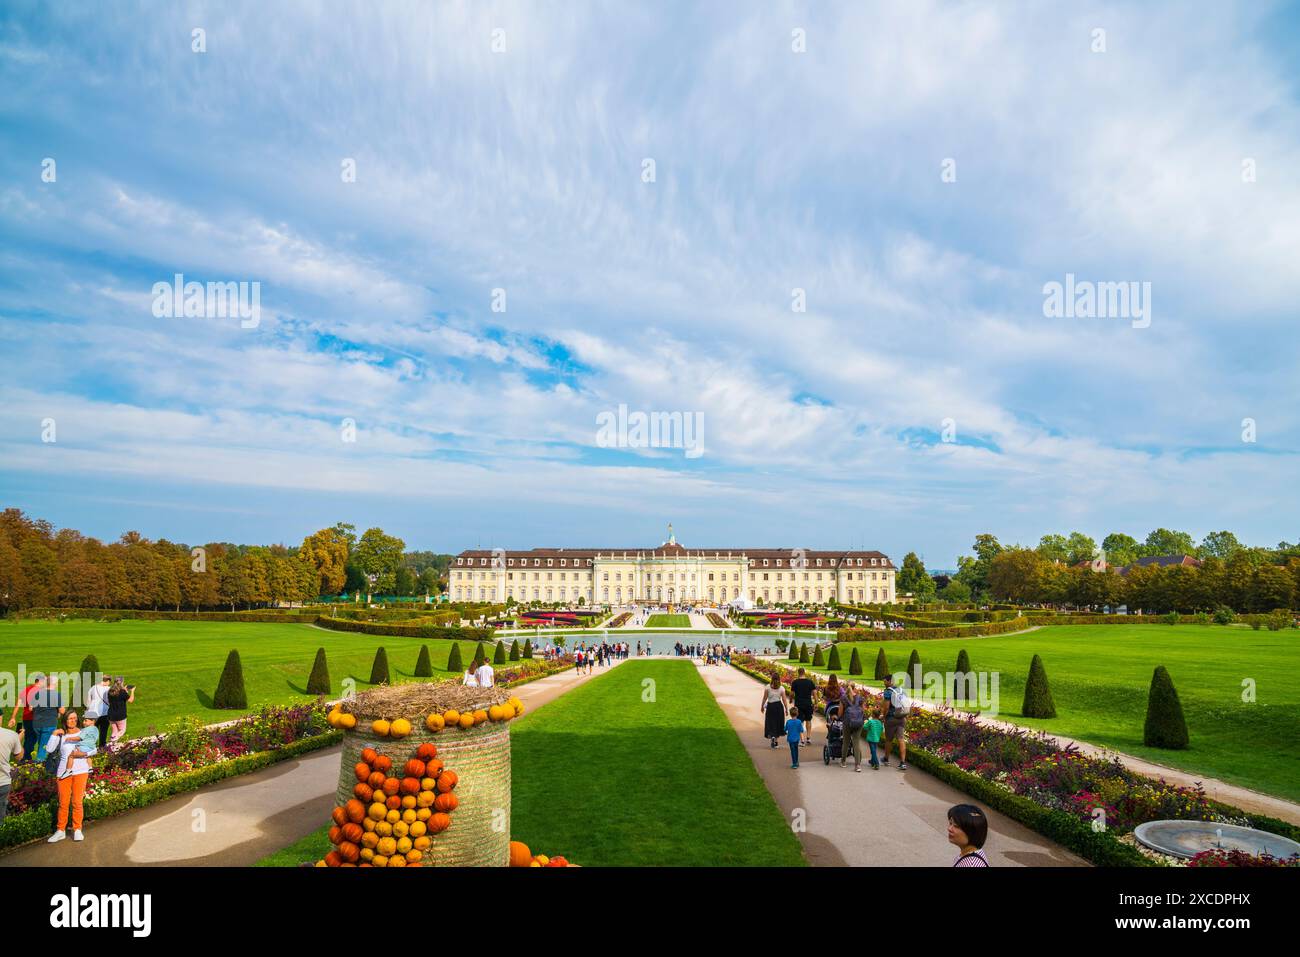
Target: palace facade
(672,574)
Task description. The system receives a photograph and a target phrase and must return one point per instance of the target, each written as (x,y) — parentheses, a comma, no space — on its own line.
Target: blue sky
(521,169)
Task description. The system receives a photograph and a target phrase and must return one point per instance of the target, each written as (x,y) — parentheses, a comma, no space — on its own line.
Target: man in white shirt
(11,747)
(485,676)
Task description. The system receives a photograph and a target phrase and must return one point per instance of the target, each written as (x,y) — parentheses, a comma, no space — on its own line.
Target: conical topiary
(318,682)
(480,656)
(379,673)
(89,666)
(528,648)
(230,689)
(959,675)
(794,651)
(423,664)
(453,660)
(803,654)
(882,665)
(817,660)
(514,650)
(499,656)
(855,663)
(1038,696)
(1165,725)
(914,670)
(833,660)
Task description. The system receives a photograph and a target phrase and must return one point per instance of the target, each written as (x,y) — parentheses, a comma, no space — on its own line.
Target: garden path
(1253,802)
(235,822)
(876,818)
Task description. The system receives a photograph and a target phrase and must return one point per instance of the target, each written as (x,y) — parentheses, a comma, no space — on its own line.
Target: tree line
(1232,575)
(44,567)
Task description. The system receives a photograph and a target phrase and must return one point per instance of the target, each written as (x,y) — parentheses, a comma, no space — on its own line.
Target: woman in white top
(74,745)
(469,680)
(774,705)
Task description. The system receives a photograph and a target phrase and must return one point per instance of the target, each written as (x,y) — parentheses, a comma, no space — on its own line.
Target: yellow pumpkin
(422,843)
(397,861)
(466,720)
(418,828)
(515,703)
(403,845)
(480,715)
(377,811)
(450,717)
(386,846)
(379,860)
(435,723)
(399,728)
(380,727)
(496,713)
(347,722)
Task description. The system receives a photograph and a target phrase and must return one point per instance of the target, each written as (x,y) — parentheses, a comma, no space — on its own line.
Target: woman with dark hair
(773,707)
(968,829)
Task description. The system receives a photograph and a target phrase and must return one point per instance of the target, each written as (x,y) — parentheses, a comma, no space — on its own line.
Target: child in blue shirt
(872,732)
(793,735)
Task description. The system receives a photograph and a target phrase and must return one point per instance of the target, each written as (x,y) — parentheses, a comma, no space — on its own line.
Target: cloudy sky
(798,146)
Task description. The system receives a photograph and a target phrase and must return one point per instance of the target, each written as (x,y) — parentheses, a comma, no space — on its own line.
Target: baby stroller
(834,748)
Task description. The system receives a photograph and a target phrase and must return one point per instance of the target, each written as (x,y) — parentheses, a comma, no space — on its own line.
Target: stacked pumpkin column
(424,778)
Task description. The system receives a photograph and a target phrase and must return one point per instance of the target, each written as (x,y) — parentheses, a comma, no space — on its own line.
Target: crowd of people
(55,735)
(604,654)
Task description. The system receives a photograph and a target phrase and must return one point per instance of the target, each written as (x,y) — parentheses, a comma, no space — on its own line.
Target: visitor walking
(73,744)
(120,694)
(47,708)
(968,829)
(773,706)
(793,734)
(11,746)
(28,727)
(97,705)
(854,710)
(802,688)
(872,731)
(899,705)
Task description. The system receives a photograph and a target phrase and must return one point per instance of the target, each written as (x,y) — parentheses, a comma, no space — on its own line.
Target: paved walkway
(876,818)
(1253,802)
(235,822)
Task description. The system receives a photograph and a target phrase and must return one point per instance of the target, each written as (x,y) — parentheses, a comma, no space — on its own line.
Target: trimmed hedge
(38,822)
(855,663)
(379,671)
(134,614)
(499,656)
(423,665)
(454,664)
(403,631)
(230,691)
(319,681)
(934,631)
(1165,726)
(1038,701)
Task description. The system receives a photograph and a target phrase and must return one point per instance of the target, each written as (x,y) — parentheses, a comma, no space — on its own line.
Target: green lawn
(175,665)
(606,778)
(668,621)
(1100,676)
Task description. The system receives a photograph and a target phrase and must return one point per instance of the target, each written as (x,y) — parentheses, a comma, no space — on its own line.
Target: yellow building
(672,574)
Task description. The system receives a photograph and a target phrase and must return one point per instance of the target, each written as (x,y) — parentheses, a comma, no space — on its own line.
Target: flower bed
(1087,804)
(530,669)
(185,757)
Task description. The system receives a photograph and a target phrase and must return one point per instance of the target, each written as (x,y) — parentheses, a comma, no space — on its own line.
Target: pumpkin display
(447,780)
(363,793)
(425,752)
(369,755)
(353,833)
(414,768)
(446,802)
(354,811)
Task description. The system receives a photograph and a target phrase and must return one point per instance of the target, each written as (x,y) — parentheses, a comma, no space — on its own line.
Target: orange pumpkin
(376,780)
(410,785)
(336,834)
(391,786)
(446,803)
(353,832)
(415,768)
(382,762)
(439,822)
(447,780)
(332,859)
(433,768)
(349,852)
(339,815)
(362,770)
(363,792)
(354,810)
(369,755)
(394,803)
(426,752)
(520,855)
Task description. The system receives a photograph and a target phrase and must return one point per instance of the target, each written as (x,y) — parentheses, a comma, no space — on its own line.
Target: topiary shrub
(453,660)
(89,666)
(855,663)
(318,682)
(528,648)
(1223,615)
(914,671)
(230,689)
(1165,725)
(423,664)
(794,651)
(499,656)
(379,673)
(480,655)
(959,675)
(833,660)
(882,665)
(514,650)
(1038,696)
(1172,618)
(818,661)
(803,654)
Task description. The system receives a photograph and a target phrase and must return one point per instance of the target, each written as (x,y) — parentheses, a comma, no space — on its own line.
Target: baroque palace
(672,574)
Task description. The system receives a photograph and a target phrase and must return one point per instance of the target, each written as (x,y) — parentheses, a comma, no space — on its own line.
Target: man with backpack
(899,706)
(855,716)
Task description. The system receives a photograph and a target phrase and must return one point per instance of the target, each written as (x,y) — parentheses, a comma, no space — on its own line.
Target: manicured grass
(1100,676)
(175,665)
(668,621)
(605,777)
